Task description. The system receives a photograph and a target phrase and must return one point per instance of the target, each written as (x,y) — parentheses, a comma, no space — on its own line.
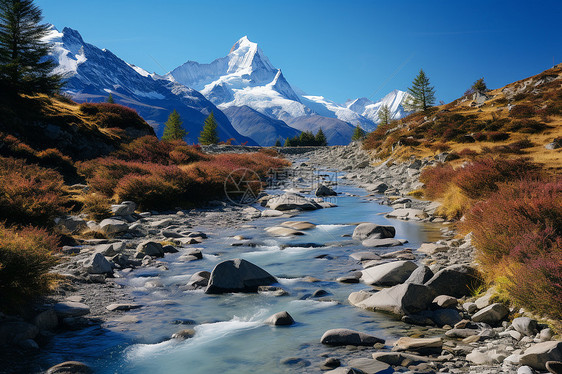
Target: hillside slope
(523,118)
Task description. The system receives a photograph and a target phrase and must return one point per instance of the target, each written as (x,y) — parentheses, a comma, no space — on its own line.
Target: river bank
(315,272)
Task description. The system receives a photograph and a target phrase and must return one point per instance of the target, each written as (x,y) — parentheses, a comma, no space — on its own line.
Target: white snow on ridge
(370,110)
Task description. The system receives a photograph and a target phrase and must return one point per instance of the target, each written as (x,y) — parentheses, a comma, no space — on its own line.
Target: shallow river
(230,334)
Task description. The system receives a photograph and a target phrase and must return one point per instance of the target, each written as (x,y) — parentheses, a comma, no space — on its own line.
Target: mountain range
(252,101)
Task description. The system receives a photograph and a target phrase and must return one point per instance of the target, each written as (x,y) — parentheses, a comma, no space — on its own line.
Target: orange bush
(25,261)
(30,194)
(113,115)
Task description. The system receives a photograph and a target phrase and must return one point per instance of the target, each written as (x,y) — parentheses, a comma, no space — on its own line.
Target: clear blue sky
(338,49)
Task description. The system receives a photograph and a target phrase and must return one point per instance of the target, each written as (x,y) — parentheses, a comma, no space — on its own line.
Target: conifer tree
(24,62)
(277,143)
(479,86)
(173,129)
(320,138)
(384,115)
(110,99)
(421,94)
(358,134)
(209,133)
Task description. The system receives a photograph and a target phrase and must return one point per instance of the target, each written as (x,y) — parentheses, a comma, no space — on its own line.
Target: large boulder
(149,248)
(280,319)
(372,230)
(199,280)
(238,275)
(492,314)
(525,326)
(126,208)
(113,226)
(407,298)
(455,280)
(421,275)
(418,344)
(98,264)
(389,274)
(290,201)
(539,354)
(349,337)
(386,242)
(71,309)
(323,190)
(282,231)
(70,225)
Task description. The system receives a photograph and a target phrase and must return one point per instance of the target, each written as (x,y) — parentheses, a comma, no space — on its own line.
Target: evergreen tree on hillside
(277,143)
(173,129)
(110,99)
(209,133)
(384,115)
(479,86)
(358,134)
(320,138)
(24,66)
(422,95)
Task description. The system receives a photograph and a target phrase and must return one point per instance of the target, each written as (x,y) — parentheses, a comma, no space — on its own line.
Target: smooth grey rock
(122,306)
(470,307)
(337,337)
(199,280)
(432,248)
(445,301)
(479,358)
(126,208)
(184,334)
(387,242)
(455,280)
(46,320)
(345,370)
(443,317)
(408,298)
(389,274)
(70,367)
(112,226)
(525,370)
(539,354)
(372,230)
(365,256)
(323,190)
(71,309)
(370,366)
(70,225)
(461,333)
(408,214)
(420,276)
(396,358)
(492,314)
(417,344)
(525,325)
(280,319)
(150,248)
(238,275)
(290,201)
(98,264)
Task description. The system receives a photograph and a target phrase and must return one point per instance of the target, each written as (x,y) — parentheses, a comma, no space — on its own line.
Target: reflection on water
(230,334)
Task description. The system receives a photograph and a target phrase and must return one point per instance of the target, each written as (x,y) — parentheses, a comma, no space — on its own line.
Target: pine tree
(110,99)
(209,133)
(277,143)
(479,86)
(358,134)
(384,115)
(287,142)
(24,65)
(173,129)
(421,94)
(320,138)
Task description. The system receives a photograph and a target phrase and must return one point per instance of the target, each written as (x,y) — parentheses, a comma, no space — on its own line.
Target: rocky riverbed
(427,294)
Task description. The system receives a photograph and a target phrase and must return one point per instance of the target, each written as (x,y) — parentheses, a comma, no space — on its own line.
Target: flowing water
(230,334)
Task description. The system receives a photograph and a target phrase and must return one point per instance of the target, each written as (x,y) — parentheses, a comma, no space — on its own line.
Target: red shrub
(467,153)
(483,176)
(437,179)
(30,194)
(522,111)
(520,227)
(496,136)
(150,149)
(113,115)
(479,137)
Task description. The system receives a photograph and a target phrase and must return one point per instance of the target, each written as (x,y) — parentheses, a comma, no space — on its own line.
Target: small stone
(445,301)
(491,314)
(70,367)
(280,319)
(184,334)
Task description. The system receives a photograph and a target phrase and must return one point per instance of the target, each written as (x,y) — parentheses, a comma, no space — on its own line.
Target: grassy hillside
(518,119)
